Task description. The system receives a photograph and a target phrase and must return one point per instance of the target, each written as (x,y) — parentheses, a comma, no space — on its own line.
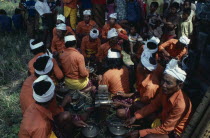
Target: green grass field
(14,56)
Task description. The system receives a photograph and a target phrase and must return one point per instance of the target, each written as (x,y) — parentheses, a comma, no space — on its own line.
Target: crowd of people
(82,34)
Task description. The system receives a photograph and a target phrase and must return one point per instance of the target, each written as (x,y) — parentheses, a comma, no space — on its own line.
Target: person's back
(133,12)
(5,22)
(17,20)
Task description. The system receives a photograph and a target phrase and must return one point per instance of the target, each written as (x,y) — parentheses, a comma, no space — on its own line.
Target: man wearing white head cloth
(110,25)
(174,48)
(41,113)
(112,43)
(90,44)
(175,105)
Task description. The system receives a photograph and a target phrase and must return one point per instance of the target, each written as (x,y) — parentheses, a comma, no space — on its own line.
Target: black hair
(41,87)
(17,11)
(133,26)
(152,61)
(155,4)
(113,63)
(38,50)
(3,12)
(151,45)
(41,63)
(175,5)
(94,31)
(70,43)
(187,11)
(188,1)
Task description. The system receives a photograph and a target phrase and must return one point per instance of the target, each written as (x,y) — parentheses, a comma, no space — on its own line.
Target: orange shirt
(83,28)
(36,123)
(68,28)
(73,64)
(176,110)
(117,80)
(89,48)
(56,69)
(148,86)
(103,50)
(70,3)
(106,28)
(170,47)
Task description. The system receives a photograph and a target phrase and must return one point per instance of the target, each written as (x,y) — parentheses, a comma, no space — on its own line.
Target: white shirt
(42,7)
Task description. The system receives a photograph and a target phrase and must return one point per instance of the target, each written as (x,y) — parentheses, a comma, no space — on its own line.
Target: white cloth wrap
(69,38)
(36,45)
(112,33)
(61,26)
(145,56)
(94,35)
(174,70)
(112,54)
(61,17)
(154,40)
(113,15)
(184,40)
(87,12)
(48,67)
(49,93)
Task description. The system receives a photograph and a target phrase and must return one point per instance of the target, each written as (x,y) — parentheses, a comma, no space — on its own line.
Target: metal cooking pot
(90,131)
(117,128)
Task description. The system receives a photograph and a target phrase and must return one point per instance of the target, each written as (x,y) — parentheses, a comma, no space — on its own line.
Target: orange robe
(107,27)
(89,48)
(175,114)
(73,64)
(117,80)
(83,28)
(148,86)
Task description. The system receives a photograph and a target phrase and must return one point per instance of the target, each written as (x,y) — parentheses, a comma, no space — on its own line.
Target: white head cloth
(112,33)
(174,70)
(48,66)
(145,56)
(49,93)
(184,40)
(61,17)
(36,45)
(69,38)
(154,40)
(94,35)
(113,15)
(112,54)
(87,12)
(61,26)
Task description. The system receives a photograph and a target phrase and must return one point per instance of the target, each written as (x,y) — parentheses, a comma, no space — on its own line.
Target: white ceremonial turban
(113,54)
(61,17)
(87,12)
(184,40)
(69,38)
(174,70)
(48,94)
(61,26)
(154,40)
(48,66)
(94,33)
(145,60)
(35,46)
(112,33)
(113,15)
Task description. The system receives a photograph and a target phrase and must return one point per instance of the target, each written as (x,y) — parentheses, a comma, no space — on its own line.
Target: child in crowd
(187,4)
(186,26)
(110,7)
(133,11)
(5,22)
(17,20)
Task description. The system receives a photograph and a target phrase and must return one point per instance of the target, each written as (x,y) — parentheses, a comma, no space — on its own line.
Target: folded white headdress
(174,70)
(145,56)
(154,40)
(112,33)
(113,54)
(184,40)
(35,46)
(61,17)
(61,26)
(69,38)
(113,15)
(48,66)
(94,33)
(49,93)
(87,12)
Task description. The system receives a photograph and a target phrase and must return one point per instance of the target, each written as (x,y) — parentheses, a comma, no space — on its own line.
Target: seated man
(116,76)
(176,106)
(90,44)
(38,49)
(173,48)
(112,43)
(38,121)
(73,64)
(112,23)
(84,27)
(43,66)
(5,22)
